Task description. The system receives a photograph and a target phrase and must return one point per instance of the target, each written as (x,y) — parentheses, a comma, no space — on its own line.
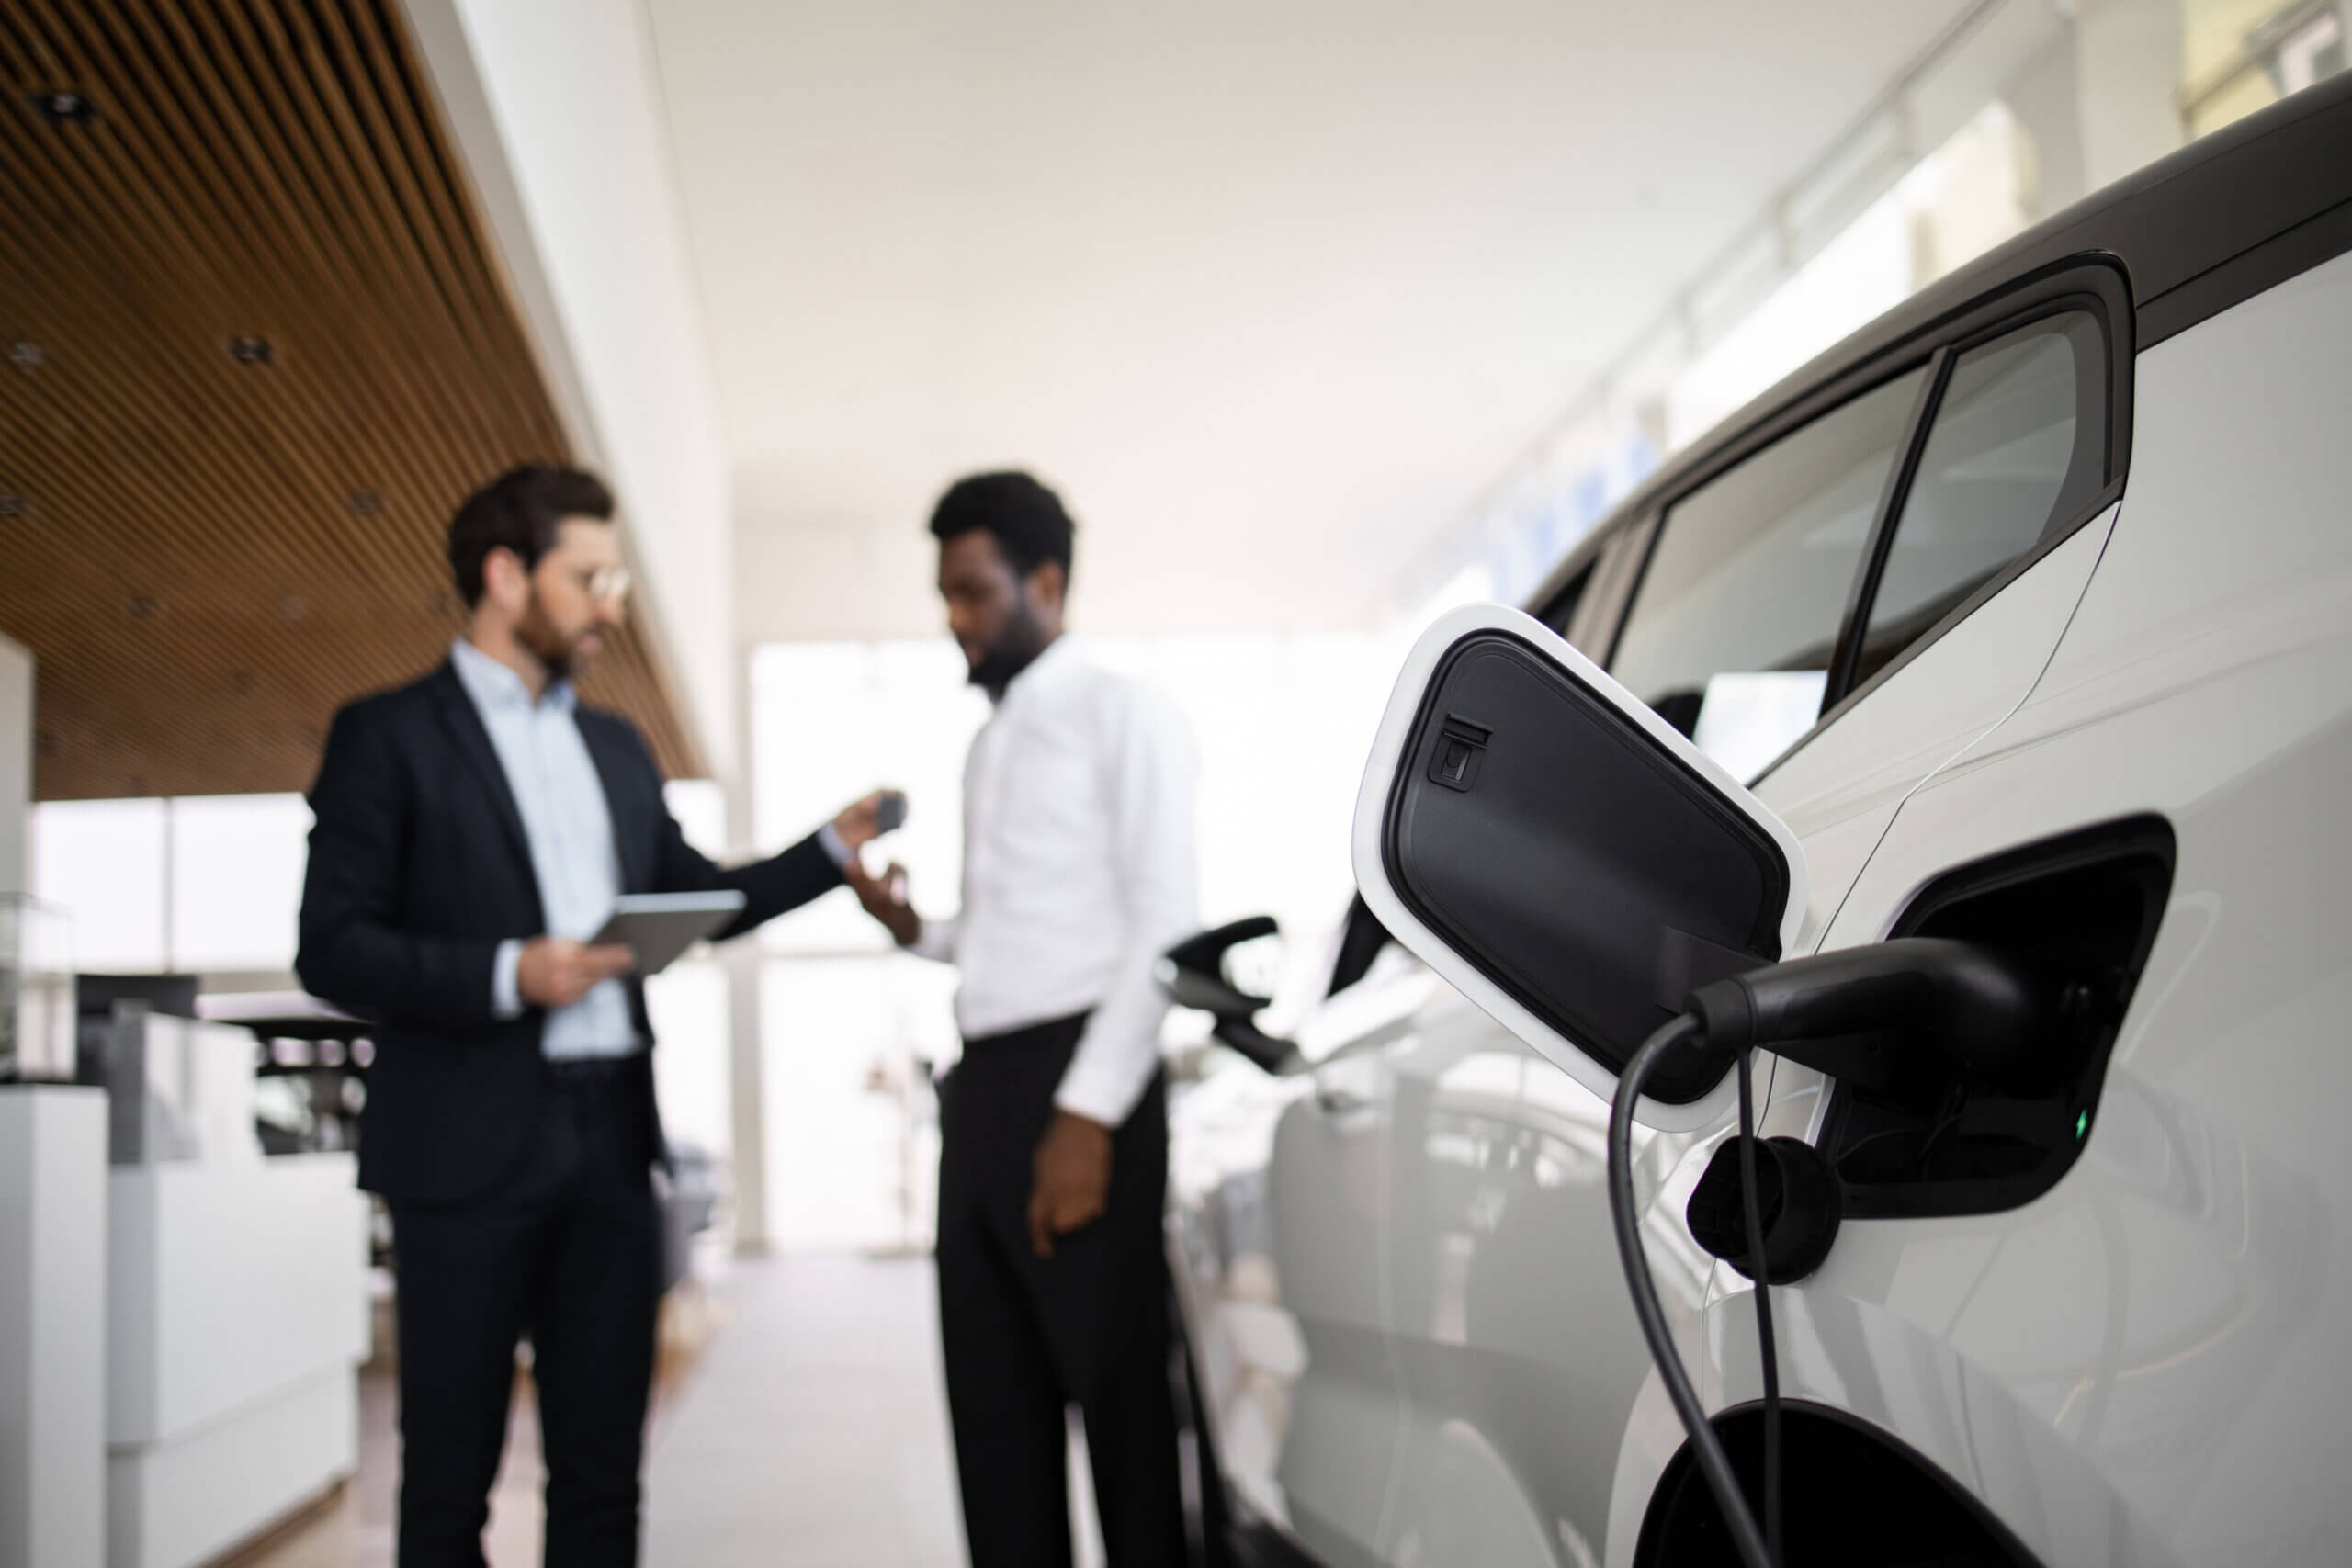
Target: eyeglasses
(609,584)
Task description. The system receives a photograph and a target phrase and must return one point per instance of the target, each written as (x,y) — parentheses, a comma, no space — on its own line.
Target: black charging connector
(1890,1010)
(1885,1014)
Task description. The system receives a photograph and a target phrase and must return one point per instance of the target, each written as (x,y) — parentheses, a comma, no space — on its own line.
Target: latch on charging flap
(1460,744)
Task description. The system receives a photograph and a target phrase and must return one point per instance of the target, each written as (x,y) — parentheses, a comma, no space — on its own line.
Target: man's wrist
(1087,1102)
(505,980)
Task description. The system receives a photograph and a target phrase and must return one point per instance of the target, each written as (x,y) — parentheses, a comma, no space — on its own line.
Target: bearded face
(999,618)
(577,594)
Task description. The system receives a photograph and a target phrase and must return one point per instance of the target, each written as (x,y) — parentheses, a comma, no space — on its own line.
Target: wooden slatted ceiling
(208,557)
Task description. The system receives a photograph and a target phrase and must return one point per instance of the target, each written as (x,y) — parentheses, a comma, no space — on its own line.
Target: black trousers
(568,1253)
(1026,1337)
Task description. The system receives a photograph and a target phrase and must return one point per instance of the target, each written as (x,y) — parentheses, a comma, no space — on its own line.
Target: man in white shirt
(1078,874)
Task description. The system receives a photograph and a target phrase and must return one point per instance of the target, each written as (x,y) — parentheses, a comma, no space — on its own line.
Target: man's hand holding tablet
(653,928)
(555,971)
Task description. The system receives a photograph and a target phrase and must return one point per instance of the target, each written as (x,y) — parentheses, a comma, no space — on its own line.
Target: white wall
(556,108)
(16,762)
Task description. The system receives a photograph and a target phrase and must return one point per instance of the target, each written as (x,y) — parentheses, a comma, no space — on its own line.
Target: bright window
(236,881)
(102,864)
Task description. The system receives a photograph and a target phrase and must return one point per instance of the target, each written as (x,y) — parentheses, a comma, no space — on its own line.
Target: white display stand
(52,1317)
(238,1317)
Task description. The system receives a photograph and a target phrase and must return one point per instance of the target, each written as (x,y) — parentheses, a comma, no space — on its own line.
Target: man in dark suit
(473,829)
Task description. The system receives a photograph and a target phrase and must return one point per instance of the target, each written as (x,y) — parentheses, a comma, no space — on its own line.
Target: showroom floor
(812,1434)
(797,1422)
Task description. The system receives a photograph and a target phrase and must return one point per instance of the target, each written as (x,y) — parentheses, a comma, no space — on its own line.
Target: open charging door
(1565,857)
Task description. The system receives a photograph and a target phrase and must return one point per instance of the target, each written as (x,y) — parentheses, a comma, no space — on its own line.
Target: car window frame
(1905,455)
(2094,285)
(1604,605)
(1844,689)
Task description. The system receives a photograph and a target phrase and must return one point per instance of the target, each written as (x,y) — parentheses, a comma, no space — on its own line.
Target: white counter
(237,1316)
(52,1317)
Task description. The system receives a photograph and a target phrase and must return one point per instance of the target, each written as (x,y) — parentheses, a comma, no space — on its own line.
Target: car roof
(2172,228)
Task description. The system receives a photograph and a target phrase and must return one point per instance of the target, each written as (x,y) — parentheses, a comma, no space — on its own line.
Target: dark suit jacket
(419,869)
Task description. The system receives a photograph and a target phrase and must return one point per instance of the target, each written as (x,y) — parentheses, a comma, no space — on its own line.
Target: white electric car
(2025,614)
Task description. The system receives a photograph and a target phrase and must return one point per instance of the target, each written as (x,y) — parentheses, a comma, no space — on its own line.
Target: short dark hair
(1028,520)
(518,511)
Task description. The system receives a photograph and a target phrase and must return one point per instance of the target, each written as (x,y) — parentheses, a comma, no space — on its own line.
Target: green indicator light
(2082,1125)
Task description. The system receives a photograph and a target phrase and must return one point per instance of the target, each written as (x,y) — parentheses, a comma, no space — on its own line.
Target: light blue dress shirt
(570,827)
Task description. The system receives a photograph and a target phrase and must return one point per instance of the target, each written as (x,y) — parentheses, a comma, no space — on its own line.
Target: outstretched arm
(773,886)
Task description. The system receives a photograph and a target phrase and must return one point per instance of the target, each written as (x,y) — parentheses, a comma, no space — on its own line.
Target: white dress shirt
(1079,871)
(570,827)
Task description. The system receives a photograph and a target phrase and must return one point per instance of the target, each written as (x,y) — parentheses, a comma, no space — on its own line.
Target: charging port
(2086,907)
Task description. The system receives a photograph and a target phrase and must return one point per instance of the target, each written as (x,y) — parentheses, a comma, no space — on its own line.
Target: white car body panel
(1840,791)
(1274,1187)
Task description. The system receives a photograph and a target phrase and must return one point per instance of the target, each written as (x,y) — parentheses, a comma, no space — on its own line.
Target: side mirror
(1565,857)
(1194,974)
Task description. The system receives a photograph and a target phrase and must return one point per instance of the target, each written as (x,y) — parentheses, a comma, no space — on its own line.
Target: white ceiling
(1269,290)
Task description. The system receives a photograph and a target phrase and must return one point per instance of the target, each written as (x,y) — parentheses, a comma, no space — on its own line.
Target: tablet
(658,926)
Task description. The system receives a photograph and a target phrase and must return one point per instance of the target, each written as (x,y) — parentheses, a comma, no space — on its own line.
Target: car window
(2017,446)
(1732,629)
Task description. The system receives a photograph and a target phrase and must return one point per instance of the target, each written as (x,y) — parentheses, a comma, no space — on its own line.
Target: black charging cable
(1768,1350)
(1706,1448)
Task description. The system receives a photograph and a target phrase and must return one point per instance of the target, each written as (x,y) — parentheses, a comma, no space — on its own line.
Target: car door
(1973,480)
(1277,1185)
(1276,1182)
(2137,1351)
